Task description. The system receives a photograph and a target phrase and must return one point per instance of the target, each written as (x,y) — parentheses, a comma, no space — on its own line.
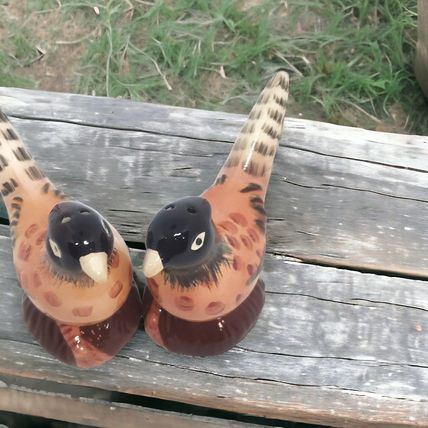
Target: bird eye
(198,242)
(55,248)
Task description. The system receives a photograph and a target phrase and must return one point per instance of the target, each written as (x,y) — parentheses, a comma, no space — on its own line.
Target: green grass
(169,54)
(361,58)
(18,53)
(351,60)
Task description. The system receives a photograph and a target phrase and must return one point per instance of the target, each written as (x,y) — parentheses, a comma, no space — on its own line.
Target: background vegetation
(351,60)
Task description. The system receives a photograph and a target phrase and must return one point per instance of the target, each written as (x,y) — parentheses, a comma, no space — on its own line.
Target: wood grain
(333,346)
(348,349)
(98,413)
(339,196)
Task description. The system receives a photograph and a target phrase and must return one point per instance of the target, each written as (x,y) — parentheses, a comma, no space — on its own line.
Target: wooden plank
(98,413)
(332,346)
(421,62)
(324,138)
(323,208)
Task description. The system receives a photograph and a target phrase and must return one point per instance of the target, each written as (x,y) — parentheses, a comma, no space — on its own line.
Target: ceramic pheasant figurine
(81,302)
(204,254)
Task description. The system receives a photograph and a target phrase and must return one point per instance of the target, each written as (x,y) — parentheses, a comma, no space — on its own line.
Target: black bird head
(79,240)
(180,237)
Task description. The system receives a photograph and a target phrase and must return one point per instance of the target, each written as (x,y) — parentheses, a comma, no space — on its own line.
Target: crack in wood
(366,362)
(154,132)
(345,265)
(150,150)
(337,387)
(408,168)
(114,128)
(322,299)
(375,192)
(323,186)
(280,382)
(378,302)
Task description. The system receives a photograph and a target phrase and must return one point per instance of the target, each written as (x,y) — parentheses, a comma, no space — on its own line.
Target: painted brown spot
(116,289)
(247,242)
(221,179)
(238,299)
(233,242)
(41,238)
(215,308)
(24,251)
(238,218)
(115,259)
(185,303)
(238,264)
(31,231)
(82,311)
(37,282)
(35,173)
(253,235)
(52,299)
(232,162)
(250,269)
(251,187)
(228,226)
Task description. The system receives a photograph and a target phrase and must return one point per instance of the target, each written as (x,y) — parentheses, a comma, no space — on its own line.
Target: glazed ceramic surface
(81,303)
(205,254)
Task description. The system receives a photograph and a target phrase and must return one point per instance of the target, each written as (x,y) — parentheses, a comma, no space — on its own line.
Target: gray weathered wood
(332,346)
(328,139)
(100,413)
(349,198)
(421,62)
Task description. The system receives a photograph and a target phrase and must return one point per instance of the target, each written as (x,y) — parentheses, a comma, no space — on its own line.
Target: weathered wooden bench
(343,337)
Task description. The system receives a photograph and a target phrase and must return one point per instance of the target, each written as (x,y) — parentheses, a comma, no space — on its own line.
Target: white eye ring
(198,242)
(55,248)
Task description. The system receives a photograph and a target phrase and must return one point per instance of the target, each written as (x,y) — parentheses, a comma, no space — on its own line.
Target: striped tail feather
(19,173)
(255,147)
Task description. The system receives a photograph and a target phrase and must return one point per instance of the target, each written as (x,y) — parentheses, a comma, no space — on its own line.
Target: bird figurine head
(79,240)
(180,237)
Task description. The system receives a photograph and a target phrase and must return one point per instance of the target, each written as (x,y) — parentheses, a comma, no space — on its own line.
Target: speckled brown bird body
(68,312)
(202,293)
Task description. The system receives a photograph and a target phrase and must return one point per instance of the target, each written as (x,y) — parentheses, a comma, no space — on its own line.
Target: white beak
(95,266)
(152,264)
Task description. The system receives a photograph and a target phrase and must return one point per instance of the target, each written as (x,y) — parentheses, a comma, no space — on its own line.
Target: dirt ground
(55,65)
(60,44)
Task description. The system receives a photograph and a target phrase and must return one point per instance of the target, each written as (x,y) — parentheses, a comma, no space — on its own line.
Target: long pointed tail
(255,147)
(19,173)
